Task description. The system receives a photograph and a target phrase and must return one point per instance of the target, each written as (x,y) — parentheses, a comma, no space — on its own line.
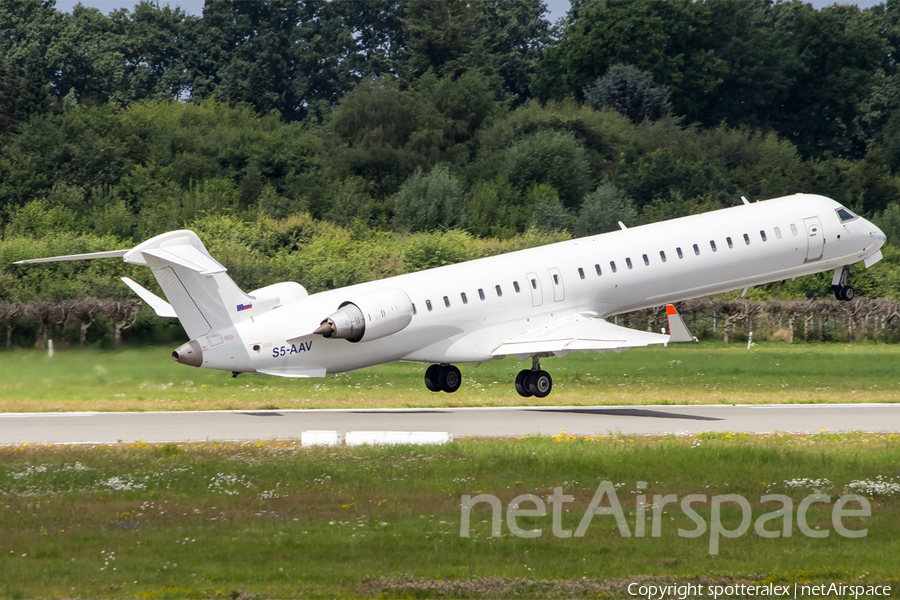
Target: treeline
(88,320)
(68,319)
(336,142)
(791,321)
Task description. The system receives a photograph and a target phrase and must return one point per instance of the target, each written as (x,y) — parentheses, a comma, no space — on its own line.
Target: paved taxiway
(38,428)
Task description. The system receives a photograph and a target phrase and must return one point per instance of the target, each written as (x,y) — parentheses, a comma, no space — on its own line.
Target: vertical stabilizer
(195,284)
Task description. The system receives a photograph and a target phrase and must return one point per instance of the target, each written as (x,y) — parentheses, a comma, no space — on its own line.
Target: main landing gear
(444,378)
(842,291)
(535,382)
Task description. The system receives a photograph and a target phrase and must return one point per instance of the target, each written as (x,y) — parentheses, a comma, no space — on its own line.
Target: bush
(630,92)
(428,201)
(603,209)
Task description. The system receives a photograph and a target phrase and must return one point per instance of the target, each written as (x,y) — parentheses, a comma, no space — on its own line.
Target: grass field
(278,520)
(706,373)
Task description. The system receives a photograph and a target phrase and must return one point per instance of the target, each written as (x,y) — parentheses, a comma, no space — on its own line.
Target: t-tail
(199,292)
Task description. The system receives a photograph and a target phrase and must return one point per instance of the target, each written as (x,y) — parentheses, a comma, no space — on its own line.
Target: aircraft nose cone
(188,354)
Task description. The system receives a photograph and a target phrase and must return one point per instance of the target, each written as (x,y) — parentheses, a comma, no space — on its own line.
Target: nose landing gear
(534,382)
(446,378)
(842,291)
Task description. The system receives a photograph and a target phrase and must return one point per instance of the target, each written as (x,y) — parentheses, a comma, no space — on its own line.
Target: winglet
(678,331)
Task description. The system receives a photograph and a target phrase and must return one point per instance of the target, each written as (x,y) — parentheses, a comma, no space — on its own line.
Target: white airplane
(535,303)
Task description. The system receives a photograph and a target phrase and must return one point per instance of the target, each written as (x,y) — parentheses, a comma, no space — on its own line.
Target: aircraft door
(815,238)
(559,291)
(534,284)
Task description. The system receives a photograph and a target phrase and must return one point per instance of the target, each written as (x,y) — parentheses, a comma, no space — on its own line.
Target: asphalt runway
(68,428)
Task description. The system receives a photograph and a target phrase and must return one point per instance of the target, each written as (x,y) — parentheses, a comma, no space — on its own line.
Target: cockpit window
(845,215)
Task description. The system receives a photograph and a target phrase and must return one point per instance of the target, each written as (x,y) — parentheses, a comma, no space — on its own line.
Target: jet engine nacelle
(369,316)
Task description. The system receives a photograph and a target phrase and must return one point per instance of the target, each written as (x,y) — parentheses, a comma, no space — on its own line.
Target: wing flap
(583,332)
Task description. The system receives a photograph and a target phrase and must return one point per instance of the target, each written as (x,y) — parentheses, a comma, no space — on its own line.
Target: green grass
(708,372)
(278,520)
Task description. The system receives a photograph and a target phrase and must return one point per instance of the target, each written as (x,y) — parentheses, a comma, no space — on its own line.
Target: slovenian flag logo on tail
(241,307)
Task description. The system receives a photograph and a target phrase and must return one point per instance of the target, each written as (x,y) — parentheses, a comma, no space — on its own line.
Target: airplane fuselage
(464,312)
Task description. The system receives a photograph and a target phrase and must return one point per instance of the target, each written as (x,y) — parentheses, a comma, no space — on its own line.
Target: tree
(386,132)
(660,37)
(283,55)
(549,213)
(602,210)
(427,201)
(555,159)
(630,92)
(834,64)
(444,36)
(517,33)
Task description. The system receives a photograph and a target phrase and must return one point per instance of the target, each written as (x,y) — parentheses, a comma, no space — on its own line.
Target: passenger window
(499,291)
(428,305)
(516,286)
(696,249)
(414,308)
(534,284)
(712,244)
(762,234)
(646,261)
(746,239)
(612,265)
(729,242)
(465,300)
(581,272)
(446,301)
(597,268)
(778,233)
(556,279)
(662,256)
(793,229)
(679,253)
(628,262)
(481,293)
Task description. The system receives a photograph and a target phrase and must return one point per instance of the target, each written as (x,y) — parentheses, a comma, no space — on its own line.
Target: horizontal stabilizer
(187,256)
(678,331)
(160,306)
(109,254)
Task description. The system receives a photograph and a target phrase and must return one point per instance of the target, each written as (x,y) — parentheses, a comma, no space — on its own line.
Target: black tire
(521,380)
(431,378)
(539,384)
(449,378)
(847,293)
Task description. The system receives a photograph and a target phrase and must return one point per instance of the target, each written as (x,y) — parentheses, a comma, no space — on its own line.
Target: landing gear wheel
(521,380)
(449,378)
(844,292)
(431,378)
(539,383)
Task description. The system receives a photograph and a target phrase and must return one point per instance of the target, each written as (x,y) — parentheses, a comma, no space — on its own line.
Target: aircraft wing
(586,332)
